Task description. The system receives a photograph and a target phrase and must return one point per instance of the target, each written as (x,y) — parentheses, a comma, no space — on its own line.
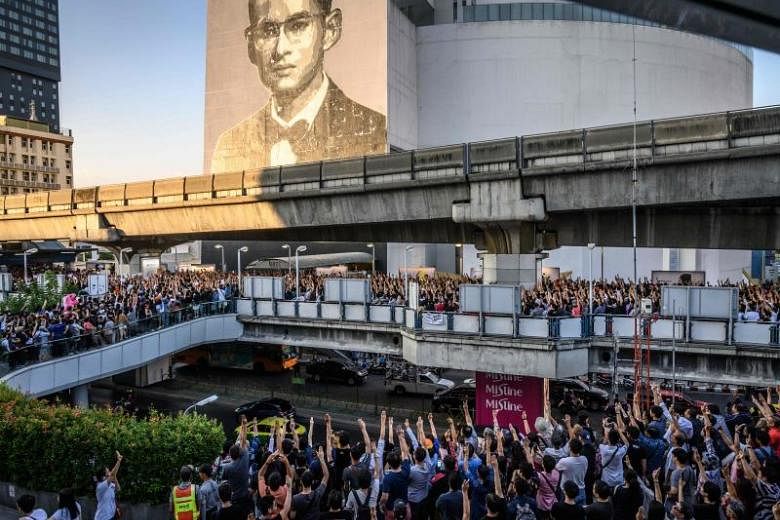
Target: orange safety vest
(185,503)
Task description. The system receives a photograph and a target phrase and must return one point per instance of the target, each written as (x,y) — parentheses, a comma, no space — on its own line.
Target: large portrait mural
(291,81)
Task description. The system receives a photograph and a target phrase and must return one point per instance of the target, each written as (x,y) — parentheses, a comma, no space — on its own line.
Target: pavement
(8,514)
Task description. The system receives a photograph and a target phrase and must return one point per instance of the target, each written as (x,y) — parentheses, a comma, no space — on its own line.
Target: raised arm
(364,433)
(657,486)
(285,512)
(115,470)
(697,459)
(466,502)
(328,438)
(496,477)
(323,464)
(526,426)
(311,432)
(453,430)
(242,442)
(467,415)
(382,425)
(402,443)
(432,426)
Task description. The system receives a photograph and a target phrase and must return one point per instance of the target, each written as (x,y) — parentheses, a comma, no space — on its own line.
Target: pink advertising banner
(510,395)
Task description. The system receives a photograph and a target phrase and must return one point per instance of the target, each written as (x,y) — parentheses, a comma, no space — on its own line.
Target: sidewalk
(8,514)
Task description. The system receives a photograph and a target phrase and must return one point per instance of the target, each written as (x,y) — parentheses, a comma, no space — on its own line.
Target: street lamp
(289,257)
(240,250)
(591,246)
(202,402)
(30,251)
(373,258)
(222,250)
(299,249)
(406,272)
(121,263)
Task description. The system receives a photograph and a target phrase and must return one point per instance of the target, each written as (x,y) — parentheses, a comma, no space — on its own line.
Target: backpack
(363,510)
(524,513)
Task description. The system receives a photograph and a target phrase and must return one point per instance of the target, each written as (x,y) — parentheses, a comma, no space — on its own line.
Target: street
(344,403)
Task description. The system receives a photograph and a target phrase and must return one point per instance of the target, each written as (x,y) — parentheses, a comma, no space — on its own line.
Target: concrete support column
(80,396)
(510,269)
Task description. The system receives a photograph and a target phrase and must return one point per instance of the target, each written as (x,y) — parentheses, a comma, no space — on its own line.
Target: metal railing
(519,326)
(45,350)
(597,147)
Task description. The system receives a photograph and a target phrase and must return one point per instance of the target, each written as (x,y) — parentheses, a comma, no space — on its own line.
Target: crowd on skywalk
(570,297)
(436,293)
(640,461)
(130,305)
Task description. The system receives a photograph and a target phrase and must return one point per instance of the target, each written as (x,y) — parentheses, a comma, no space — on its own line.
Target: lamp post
(289,257)
(591,245)
(222,250)
(373,258)
(121,262)
(30,251)
(238,253)
(202,402)
(299,249)
(406,272)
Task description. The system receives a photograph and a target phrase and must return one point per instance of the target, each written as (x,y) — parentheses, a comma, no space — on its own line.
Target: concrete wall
(440,256)
(492,79)
(402,80)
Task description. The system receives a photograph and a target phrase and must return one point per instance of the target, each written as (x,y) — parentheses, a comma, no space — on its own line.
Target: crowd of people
(139,302)
(437,293)
(641,462)
(130,305)
(570,297)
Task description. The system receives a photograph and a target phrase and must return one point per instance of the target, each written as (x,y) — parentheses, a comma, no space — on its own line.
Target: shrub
(49,447)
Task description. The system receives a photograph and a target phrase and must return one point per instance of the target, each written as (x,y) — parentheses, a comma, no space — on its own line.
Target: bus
(244,356)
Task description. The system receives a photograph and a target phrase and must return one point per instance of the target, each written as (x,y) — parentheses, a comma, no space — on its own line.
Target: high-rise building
(35,153)
(30,60)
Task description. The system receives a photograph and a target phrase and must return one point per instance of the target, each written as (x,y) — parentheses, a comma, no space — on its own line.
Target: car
(415,382)
(269,407)
(336,371)
(451,400)
(265,426)
(593,398)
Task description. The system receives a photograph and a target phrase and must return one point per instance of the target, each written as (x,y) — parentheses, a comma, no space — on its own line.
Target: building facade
(30,60)
(33,158)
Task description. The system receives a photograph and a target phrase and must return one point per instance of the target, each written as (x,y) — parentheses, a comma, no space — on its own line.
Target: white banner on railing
(433,318)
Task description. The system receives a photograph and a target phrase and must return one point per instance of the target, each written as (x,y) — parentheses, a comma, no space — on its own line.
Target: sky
(133,76)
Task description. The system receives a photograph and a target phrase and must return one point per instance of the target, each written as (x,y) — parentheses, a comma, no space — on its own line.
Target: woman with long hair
(67,508)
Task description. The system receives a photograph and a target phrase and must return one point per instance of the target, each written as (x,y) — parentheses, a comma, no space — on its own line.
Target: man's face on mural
(290,38)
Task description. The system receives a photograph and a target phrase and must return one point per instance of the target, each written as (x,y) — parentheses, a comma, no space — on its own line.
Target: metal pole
(224,267)
(590,282)
(633,169)
(289,261)
(238,270)
(25,268)
(297,282)
(373,261)
(615,352)
(674,351)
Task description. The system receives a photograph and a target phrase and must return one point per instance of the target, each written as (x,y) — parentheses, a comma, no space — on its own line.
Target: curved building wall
(486,80)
